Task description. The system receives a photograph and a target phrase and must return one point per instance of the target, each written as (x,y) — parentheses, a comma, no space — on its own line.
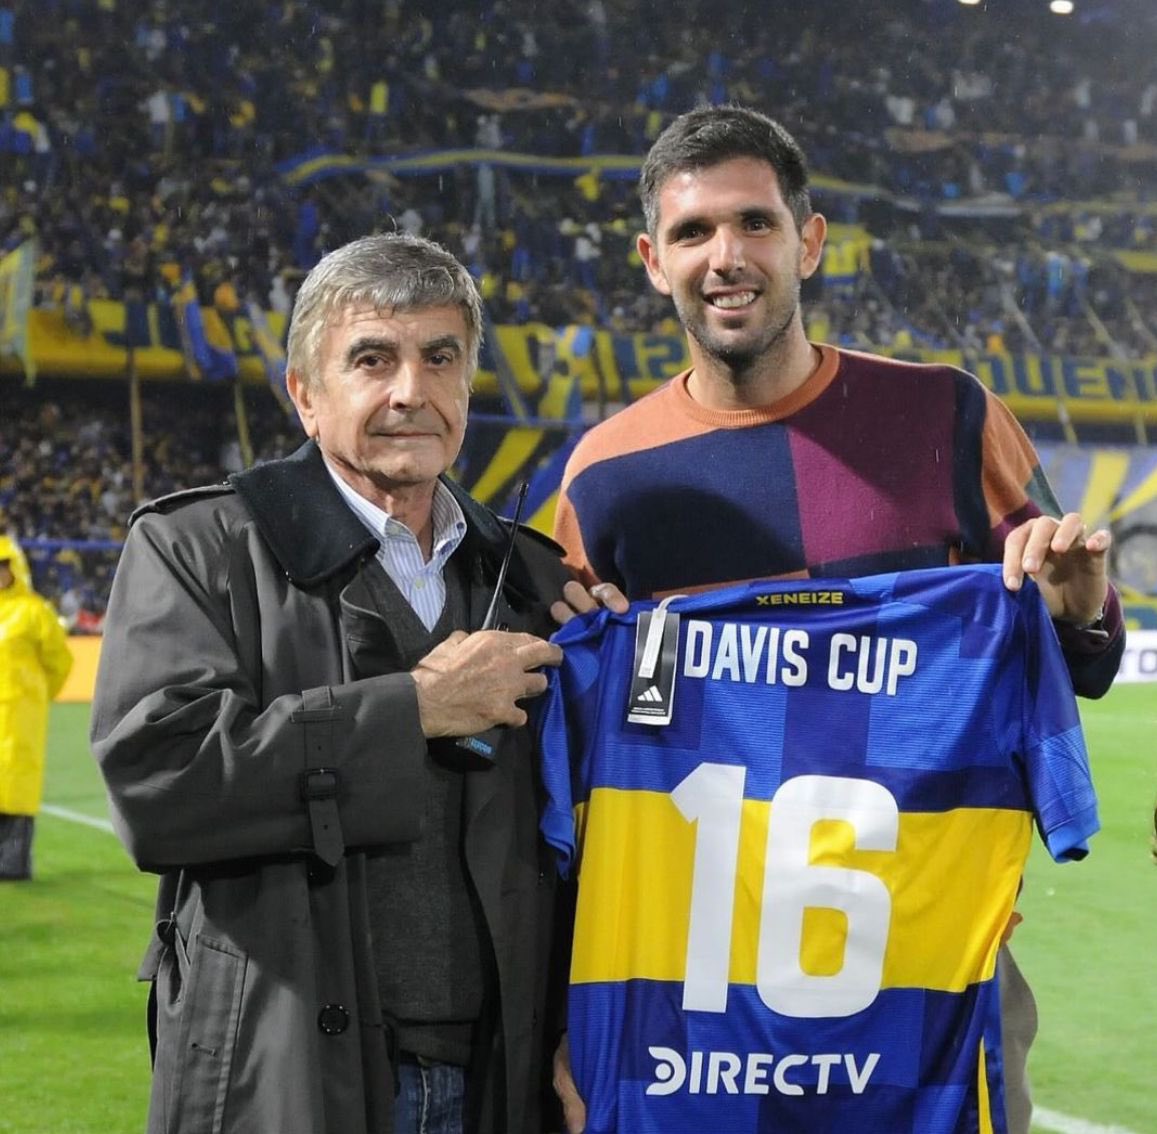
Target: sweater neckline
(816,383)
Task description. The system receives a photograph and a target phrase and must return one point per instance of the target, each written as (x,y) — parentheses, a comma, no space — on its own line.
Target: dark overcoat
(247,768)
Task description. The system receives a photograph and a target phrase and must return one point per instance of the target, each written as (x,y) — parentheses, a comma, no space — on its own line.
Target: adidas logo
(651,694)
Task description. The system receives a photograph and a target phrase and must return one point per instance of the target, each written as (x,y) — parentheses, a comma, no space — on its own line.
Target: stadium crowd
(66,478)
(145,140)
(998,167)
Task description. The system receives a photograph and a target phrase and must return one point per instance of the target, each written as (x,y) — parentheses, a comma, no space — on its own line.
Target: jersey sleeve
(1056,759)
(566,715)
(557,823)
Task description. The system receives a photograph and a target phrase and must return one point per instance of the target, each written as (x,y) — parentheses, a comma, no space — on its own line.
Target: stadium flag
(137,332)
(17,276)
(507,381)
(271,353)
(542,498)
(136,429)
(223,365)
(205,343)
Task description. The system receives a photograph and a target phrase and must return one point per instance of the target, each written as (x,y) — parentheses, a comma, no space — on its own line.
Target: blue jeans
(430,1098)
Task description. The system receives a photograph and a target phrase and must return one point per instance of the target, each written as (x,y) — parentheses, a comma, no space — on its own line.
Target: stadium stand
(986,176)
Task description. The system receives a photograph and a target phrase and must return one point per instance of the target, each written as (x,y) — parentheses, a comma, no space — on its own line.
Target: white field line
(1056,1123)
(77,817)
(1042,1118)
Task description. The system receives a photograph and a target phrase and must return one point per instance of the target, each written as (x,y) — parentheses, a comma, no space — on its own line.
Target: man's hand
(1069,565)
(472,681)
(576,599)
(574,1111)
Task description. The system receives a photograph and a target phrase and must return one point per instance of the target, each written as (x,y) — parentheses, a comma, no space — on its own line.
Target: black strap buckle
(319,783)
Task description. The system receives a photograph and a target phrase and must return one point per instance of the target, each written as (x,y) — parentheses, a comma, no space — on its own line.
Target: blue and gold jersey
(792,893)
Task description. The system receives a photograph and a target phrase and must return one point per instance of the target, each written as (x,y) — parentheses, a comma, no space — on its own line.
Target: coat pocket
(197,1067)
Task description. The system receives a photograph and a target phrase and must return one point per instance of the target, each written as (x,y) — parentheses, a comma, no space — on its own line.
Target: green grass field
(73,1055)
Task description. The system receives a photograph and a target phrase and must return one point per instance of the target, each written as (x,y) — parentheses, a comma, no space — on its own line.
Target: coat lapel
(295,495)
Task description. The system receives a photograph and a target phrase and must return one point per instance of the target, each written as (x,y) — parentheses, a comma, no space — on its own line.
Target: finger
(574,1111)
(611,597)
(509,716)
(514,641)
(562,612)
(574,1115)
(1099,542)
(1041,534)
(536,684)
(580,599)
(539,653)
(1070,533)
(1012,565)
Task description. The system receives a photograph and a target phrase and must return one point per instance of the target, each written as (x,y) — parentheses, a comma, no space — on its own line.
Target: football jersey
(791,894)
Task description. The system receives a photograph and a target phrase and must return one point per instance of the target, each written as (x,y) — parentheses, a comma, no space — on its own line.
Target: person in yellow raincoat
(34,661)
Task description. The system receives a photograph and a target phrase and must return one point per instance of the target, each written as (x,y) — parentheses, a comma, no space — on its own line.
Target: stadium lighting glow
(970,3)
(1061,7)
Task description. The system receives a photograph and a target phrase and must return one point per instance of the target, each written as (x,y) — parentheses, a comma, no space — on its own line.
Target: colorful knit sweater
(871,465)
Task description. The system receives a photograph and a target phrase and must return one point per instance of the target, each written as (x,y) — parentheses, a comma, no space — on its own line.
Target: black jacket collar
(312,532)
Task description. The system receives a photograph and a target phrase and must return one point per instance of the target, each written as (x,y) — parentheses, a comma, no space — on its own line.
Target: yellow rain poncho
(34,661)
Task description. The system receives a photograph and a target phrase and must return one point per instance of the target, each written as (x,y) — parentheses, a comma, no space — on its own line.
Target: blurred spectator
(34,662)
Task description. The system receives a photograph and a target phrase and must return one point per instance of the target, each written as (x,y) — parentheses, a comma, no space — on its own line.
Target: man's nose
(408,389)
(727,251)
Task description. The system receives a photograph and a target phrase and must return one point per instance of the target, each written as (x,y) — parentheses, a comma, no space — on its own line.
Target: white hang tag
(656,654)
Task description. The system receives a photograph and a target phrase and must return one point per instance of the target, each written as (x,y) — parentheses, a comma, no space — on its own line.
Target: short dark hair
(710,135)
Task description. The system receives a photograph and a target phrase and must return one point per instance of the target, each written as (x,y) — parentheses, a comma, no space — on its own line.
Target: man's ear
(815,232)
(303,400)
(650,257)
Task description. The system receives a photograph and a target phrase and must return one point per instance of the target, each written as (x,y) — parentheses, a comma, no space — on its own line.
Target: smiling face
(388,404)
(727,251)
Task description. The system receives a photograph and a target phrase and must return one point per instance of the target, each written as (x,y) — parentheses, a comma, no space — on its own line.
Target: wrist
(1096,624)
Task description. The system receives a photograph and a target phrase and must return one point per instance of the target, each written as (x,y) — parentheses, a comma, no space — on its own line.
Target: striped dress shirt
(421,582)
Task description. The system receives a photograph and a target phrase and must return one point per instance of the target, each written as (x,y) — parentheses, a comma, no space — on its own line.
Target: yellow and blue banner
(268,346)
(607,367)
(586,366)
(205,340)
(318,164)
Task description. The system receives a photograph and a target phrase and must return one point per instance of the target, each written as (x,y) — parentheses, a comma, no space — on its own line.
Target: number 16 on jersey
(712,797)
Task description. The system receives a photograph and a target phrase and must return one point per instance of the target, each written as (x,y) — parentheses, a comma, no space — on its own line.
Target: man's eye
(442,358)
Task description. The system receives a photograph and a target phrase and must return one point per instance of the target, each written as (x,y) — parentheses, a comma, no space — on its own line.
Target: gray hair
(711,135)
(391,271)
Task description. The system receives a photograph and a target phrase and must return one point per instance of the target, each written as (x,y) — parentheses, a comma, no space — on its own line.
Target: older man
(354,909)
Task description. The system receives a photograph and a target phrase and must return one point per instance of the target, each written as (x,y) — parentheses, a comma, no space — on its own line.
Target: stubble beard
(742,360)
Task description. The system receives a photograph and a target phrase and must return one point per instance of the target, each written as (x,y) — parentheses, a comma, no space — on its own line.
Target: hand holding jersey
(577,600)
(1069,565)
